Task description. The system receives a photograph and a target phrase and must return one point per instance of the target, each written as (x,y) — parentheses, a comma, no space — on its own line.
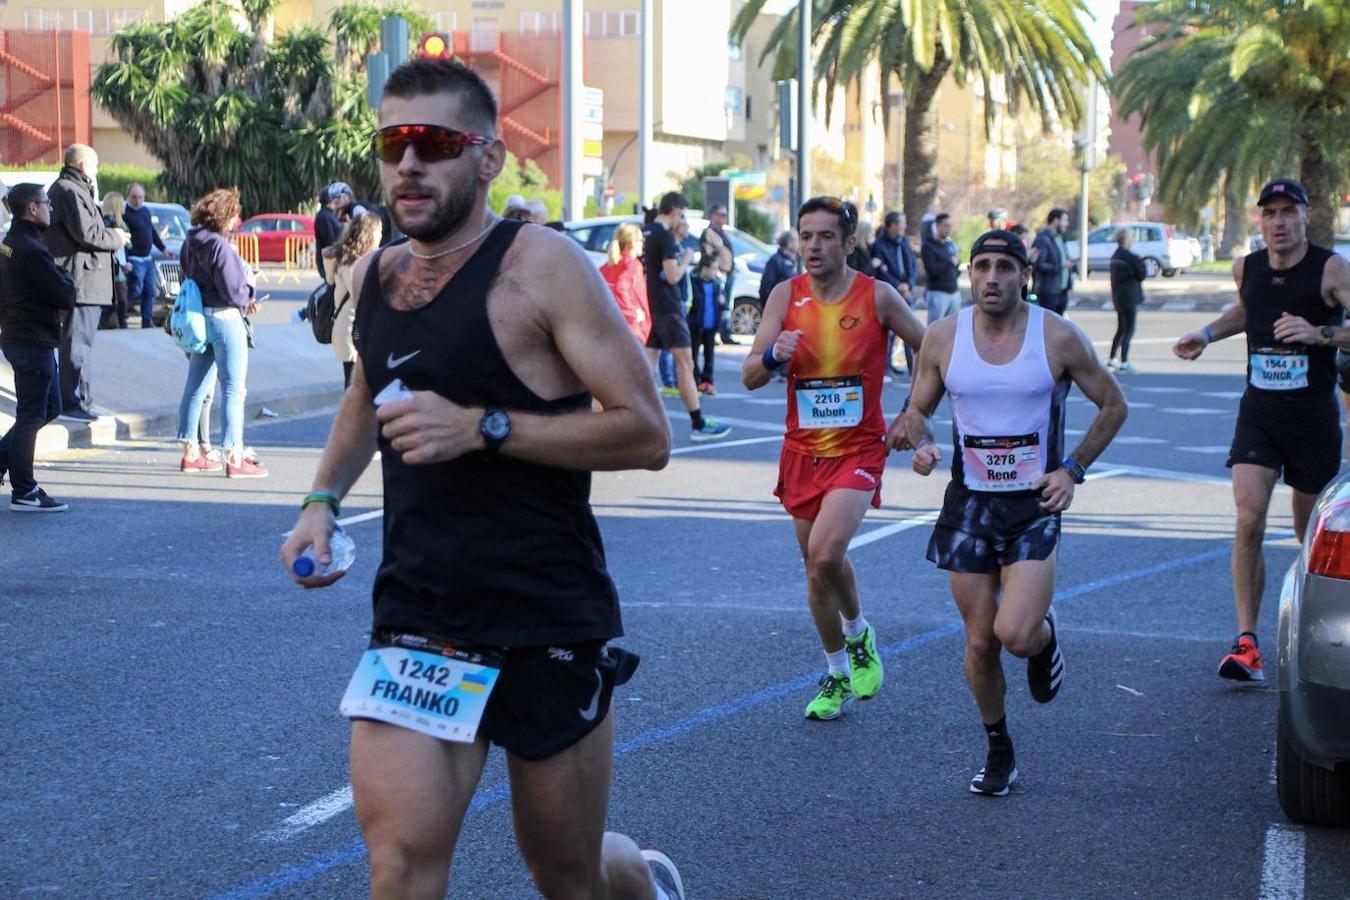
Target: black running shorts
(980,533)
(1302,439)
(670,329)
(1343,370)
(549,698)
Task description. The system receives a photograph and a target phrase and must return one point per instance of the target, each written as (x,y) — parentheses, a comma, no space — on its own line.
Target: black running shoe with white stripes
(999,772)
(1045,670)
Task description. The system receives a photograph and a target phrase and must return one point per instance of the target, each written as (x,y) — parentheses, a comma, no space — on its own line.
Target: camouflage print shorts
(982,533)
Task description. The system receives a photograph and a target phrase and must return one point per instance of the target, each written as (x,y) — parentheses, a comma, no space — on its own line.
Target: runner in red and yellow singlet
(829,327)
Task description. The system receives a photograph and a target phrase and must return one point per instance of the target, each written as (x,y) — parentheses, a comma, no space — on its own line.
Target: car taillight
(1329,553)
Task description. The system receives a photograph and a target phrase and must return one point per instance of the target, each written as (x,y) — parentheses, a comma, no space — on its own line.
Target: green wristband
(322,497)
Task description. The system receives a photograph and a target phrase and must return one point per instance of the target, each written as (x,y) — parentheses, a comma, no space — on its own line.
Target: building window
(98,22)
(734,48)
(446,22)
(539,23)
(621,24)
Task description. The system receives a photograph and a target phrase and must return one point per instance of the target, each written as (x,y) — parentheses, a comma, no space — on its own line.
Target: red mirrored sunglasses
(431,143)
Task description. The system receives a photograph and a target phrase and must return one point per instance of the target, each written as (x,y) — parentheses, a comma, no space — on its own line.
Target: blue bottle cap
(303,567)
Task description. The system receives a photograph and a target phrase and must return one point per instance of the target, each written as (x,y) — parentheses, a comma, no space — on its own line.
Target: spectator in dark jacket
(780,267)
(211,261)
(1050,263)
(1127,292)
(34,293)
(897,267)
(83,246)
(942,266)
(327,225)
(143,279)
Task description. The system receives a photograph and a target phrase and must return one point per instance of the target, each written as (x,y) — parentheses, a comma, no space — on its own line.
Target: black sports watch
(1328,335)
(495,427)
(1076,472)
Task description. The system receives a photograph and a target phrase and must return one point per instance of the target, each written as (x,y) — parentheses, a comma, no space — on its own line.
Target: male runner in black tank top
(1292,298)
(492,603)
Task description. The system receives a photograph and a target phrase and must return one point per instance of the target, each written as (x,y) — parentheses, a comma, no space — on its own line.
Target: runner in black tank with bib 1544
(1292,298)
(480,344)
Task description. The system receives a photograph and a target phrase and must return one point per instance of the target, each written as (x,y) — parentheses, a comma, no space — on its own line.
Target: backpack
(187,324)
(321,310)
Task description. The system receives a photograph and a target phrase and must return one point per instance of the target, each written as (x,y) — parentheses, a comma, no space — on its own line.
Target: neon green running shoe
(865,666)
(835,693)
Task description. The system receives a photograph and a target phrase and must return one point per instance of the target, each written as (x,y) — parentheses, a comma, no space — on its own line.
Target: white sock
(838,662)
(854,627)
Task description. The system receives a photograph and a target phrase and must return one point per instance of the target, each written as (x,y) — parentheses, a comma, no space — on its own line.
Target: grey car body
(1313,739)
(172,222)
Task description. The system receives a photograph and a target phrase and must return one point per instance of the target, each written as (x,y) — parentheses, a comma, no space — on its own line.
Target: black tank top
(1267,293)
(483,549)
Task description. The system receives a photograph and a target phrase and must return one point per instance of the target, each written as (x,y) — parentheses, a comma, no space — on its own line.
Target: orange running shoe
(1244,663)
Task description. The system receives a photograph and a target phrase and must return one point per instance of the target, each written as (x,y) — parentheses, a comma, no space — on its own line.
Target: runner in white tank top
(1008,367)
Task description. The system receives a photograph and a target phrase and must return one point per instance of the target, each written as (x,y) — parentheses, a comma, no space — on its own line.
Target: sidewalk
(138,379)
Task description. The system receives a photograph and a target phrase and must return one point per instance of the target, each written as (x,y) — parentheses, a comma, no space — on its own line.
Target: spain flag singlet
(836,375)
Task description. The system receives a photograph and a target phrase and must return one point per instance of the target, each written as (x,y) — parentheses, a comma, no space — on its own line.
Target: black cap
(1283,187)
(1001,241)
(21,195)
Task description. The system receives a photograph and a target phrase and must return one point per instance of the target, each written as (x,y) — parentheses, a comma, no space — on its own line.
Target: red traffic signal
(434,46)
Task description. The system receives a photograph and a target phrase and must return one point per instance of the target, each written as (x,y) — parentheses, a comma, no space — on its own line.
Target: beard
(445,218)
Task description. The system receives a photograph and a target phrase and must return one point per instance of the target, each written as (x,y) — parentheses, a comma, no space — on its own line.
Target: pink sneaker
(247,468)
(203,463)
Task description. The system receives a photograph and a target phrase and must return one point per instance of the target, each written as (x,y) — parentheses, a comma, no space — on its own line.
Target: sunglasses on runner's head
(431,143)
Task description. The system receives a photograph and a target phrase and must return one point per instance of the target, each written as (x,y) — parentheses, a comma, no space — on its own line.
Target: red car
(272,230)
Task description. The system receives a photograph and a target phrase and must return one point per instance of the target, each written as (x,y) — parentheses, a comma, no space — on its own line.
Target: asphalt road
(171,700)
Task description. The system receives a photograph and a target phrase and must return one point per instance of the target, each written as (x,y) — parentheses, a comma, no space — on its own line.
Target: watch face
(1328,333)
(496,425)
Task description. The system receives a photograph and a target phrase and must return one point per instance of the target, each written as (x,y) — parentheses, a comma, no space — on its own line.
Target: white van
(1163,251)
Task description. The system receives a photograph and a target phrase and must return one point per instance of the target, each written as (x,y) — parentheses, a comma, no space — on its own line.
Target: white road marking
(713,445)
(752,424)
(766,401)
(1136,341)
(1137,439)
(1140,404)
(1212,448)
(1282,868)
(1163,390)
(885,531)
(316,813)
(1222,395)
(1197,411)
(361,517)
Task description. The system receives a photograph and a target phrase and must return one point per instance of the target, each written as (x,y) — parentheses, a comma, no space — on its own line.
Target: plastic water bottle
(340,547)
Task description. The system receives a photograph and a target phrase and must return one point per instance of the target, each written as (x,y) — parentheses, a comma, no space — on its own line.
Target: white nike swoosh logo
(393,363)
(590,712)
(802,302)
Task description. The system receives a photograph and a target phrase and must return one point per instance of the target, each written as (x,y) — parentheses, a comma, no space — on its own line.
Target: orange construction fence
(247,247)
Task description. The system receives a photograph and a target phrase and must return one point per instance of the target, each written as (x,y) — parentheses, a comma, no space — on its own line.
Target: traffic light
(434,46)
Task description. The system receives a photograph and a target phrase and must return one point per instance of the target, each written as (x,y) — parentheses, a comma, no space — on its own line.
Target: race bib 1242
(439,694)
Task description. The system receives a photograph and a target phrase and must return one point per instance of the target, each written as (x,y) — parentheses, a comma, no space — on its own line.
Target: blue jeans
(142,287)
(226,352)
(666,365)
(38,390)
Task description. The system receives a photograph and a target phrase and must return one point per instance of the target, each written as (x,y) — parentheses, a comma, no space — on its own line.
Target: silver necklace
(471,241)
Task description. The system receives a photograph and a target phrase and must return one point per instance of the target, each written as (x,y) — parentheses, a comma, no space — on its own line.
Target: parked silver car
(172,222)
(1312,772)
(1163,250)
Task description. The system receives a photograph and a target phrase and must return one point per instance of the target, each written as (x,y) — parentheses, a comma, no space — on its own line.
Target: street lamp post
(573,199)
(803,100)
(645,125)
(1087,161)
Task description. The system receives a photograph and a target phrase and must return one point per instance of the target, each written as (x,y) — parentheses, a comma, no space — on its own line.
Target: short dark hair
(1018,229)
(848,219)
(430,75)
(941,217)
(1055,214)
(893,216)
(23,194)
(671,201)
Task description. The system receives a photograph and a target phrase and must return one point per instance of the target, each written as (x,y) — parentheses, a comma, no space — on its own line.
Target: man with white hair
(538,211)
(83,245)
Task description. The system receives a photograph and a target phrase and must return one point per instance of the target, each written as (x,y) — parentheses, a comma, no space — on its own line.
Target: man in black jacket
(143,280)
(1050,263)
(34,292)
(82,245)
(940,264)
(327,225)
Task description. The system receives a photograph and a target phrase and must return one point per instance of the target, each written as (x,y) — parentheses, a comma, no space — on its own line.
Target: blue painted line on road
(354,851)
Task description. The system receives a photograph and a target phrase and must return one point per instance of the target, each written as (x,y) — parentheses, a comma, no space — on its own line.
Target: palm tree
(1040,51)
(220,104)
(1231,93)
